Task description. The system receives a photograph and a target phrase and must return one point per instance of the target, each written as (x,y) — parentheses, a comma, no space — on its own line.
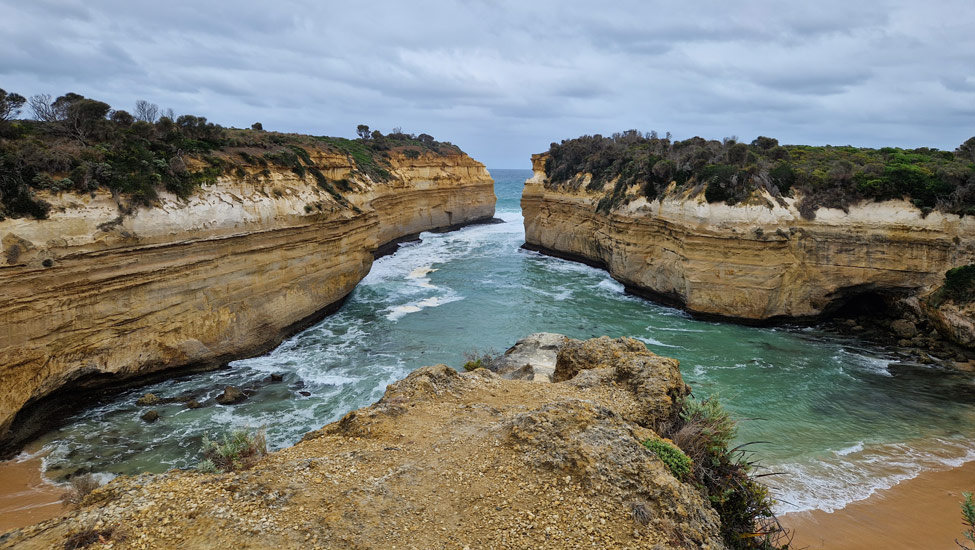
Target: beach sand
(24,497)
(918,514)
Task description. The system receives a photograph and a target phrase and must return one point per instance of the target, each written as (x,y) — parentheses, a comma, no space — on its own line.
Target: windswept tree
(967,150)
(145,111)
(41,105)
(363,131)
(10,104)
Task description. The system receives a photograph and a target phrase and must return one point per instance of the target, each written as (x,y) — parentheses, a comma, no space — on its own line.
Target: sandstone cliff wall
(752,262)
(92,297)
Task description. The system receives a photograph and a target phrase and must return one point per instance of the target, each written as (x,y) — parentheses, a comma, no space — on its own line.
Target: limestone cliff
(756,261)
(101,292)
(443,460)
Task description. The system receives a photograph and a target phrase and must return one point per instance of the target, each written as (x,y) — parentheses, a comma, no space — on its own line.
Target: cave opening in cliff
(856,303)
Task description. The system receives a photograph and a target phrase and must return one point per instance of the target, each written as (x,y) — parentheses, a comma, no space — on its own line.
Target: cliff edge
(106,291)
(758,260)
(443,460)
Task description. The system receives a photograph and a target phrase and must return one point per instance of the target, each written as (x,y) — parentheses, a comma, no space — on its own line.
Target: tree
(765,143)
(363,131)
(10,105)
(146,111)
(40,105)
(257,126)
(967,150)
(122,118)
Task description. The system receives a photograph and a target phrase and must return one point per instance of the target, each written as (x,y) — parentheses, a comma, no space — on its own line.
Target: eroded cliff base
(443,460)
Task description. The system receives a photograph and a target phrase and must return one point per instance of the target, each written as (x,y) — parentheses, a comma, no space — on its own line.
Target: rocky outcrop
(101,293)
(756,261)
(443,460)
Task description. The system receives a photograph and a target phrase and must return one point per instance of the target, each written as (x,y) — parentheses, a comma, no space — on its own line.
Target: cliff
(105,291)
(443,460)
(758,260)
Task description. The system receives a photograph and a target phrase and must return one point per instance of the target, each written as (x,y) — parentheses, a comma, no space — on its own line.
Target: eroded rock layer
(100,293)
(443,460)
(756,261)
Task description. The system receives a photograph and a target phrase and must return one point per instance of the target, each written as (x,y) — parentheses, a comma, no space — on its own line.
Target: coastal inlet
(843,418)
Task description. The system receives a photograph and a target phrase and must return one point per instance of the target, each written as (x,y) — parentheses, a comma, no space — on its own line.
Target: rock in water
(231,396)
(150,416)
(147,400)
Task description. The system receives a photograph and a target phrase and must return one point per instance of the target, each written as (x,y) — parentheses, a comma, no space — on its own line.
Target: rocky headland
(108,290)
(747,252)
(443,460)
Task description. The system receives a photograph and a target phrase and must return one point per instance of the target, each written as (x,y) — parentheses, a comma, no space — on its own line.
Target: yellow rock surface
(749,262)
(92,297)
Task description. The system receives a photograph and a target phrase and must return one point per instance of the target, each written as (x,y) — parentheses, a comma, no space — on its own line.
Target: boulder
(147,400)
(904,328)
(231,396)
(150,416)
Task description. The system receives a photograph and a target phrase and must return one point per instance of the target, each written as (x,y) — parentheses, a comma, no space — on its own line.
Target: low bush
(728,171)
(474,360)
(238,450)
(968,520)
(673,457)
(81,486)
(703,430)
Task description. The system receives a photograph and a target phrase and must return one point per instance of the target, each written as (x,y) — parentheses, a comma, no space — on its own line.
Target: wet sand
(24,497)
(920,513)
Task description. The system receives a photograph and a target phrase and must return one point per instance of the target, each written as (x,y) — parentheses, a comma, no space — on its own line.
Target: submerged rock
(443,460)
(150,416)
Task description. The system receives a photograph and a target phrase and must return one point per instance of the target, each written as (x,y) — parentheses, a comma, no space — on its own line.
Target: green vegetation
(675,459)
(968,519)
(959,286)
(238,450)
(474,360)
(731,172)
(703,431)
(76,144)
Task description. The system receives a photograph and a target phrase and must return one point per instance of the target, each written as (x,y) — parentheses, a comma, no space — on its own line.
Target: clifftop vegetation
(729,171)
(77,144)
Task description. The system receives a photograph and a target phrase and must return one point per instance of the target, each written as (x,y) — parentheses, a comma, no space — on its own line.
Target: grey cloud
(503,79)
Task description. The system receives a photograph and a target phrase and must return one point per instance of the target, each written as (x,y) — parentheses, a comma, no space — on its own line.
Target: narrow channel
(842,418)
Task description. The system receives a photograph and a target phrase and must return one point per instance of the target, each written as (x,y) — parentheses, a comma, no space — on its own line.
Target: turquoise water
(841,418)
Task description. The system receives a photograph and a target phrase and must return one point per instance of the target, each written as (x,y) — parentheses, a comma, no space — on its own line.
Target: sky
(505,79)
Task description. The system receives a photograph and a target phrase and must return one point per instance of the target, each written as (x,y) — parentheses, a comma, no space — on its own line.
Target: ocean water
(839,417)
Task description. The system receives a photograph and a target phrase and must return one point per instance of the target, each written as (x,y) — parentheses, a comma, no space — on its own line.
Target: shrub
(238,450)
(474,360)
(703,430)
(86,537)
(675,459)
(81,486)
(968,519)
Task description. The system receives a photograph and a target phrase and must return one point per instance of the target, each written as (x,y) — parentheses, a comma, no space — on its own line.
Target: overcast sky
(504,79)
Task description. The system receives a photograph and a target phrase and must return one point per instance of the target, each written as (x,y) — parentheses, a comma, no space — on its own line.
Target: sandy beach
(24,497)
(920,513)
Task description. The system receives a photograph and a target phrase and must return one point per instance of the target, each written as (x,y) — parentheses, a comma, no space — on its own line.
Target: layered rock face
(443,460)
(98,294)
(756,261)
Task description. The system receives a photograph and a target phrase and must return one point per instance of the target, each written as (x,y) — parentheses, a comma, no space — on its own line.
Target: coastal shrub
(674,458)
(968,520)
(81,486)
(474,360)
(960,283)
(703,430)
(729,171)
(238,450)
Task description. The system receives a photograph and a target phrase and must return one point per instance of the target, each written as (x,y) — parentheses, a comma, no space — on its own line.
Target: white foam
(851,449)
